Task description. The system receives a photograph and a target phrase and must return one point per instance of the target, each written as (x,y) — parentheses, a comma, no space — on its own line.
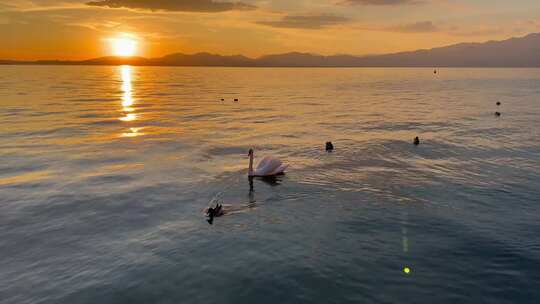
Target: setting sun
(124,46)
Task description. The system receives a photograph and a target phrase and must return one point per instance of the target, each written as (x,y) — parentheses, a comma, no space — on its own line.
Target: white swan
(269,166)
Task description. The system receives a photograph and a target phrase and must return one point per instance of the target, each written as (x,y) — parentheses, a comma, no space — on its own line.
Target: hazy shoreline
(511,53)
(81,64)
(270,67)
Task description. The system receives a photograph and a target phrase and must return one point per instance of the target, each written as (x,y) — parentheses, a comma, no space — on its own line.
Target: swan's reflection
(128,101)
(251,189)
(273,181)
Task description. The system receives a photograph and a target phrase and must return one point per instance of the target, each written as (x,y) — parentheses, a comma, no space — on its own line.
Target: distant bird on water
(497,114)
(498,103)
(416,141)
(236,99)
(329,146)
(268,166)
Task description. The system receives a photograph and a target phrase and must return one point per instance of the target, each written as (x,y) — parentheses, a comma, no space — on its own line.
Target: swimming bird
(416,141)
(236,99)
(497,114)
(214,212)
(329,146)
(268,166)
(498,103)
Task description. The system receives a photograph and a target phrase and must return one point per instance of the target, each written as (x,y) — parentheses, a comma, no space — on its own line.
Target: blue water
(105,173)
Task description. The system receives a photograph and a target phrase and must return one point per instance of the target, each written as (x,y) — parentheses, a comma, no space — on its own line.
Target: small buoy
(329,146)
(498,103)
(497,113)
(435,72)
(416,141)
(236,99)
(222,99)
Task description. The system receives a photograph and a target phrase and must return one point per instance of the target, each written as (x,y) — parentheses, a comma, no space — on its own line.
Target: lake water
(105,172)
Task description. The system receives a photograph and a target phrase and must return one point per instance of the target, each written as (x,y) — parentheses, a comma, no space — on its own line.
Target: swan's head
(250,152)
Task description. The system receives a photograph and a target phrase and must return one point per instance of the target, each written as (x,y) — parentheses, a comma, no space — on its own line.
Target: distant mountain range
(514,52)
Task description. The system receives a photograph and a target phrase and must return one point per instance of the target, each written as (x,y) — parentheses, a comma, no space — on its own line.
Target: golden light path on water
(128,101)
(127,88)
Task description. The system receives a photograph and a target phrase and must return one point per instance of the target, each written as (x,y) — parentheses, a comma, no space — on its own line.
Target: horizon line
(37,61)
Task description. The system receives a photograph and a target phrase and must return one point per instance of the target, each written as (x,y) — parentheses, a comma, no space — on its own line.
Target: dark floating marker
(498,103)
(434,71)
(416,141)
(236,99)
(222,99)
(497,114)
(329,146)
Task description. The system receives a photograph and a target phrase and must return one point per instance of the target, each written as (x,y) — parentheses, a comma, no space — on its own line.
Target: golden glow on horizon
(124,45)
(63,30)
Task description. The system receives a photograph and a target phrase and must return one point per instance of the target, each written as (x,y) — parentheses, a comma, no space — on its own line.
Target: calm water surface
(105,171)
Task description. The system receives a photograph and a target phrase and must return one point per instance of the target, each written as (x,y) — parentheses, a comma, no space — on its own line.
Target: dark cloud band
(417,27)
(208,6)
(382,2)
(306,22)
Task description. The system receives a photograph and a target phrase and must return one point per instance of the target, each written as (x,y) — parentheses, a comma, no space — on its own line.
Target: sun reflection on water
(129,117)
(134,132)
(128,101)
(127,88)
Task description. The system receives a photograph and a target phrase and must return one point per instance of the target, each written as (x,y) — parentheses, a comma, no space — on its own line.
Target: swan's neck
(250,172)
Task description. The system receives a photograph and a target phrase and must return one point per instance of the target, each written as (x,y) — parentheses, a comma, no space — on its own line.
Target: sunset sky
(71,29)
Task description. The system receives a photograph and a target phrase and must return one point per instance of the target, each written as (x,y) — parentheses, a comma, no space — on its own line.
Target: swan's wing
(279,170)
(265,162)
(267,166)
(268,163)
(262,163)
